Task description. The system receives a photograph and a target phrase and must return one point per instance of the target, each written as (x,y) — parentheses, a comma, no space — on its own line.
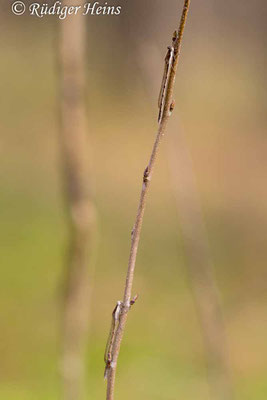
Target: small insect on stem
(166,76)
(113,329)
(111,336)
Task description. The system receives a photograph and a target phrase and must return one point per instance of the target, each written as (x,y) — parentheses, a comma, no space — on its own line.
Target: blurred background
(221,106)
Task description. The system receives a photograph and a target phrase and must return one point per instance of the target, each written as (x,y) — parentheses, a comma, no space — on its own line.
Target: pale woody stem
(168,105)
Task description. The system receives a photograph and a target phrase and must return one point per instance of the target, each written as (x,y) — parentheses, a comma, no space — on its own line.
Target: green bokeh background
(221,100)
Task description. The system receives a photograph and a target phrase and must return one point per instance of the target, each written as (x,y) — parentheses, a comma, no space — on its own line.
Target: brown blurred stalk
(81,212)
(166,112)
(200,267)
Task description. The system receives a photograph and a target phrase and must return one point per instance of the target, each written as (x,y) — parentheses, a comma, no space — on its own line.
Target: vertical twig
(80,207)
(166,111)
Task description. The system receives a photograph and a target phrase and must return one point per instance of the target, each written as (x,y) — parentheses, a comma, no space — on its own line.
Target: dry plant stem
(141,208)
(80,208)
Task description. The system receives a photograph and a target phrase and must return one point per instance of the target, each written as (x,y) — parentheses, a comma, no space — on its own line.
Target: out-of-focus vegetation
(221,98)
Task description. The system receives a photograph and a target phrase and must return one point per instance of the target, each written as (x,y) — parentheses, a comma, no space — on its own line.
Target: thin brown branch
(166,112)
(80,207)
